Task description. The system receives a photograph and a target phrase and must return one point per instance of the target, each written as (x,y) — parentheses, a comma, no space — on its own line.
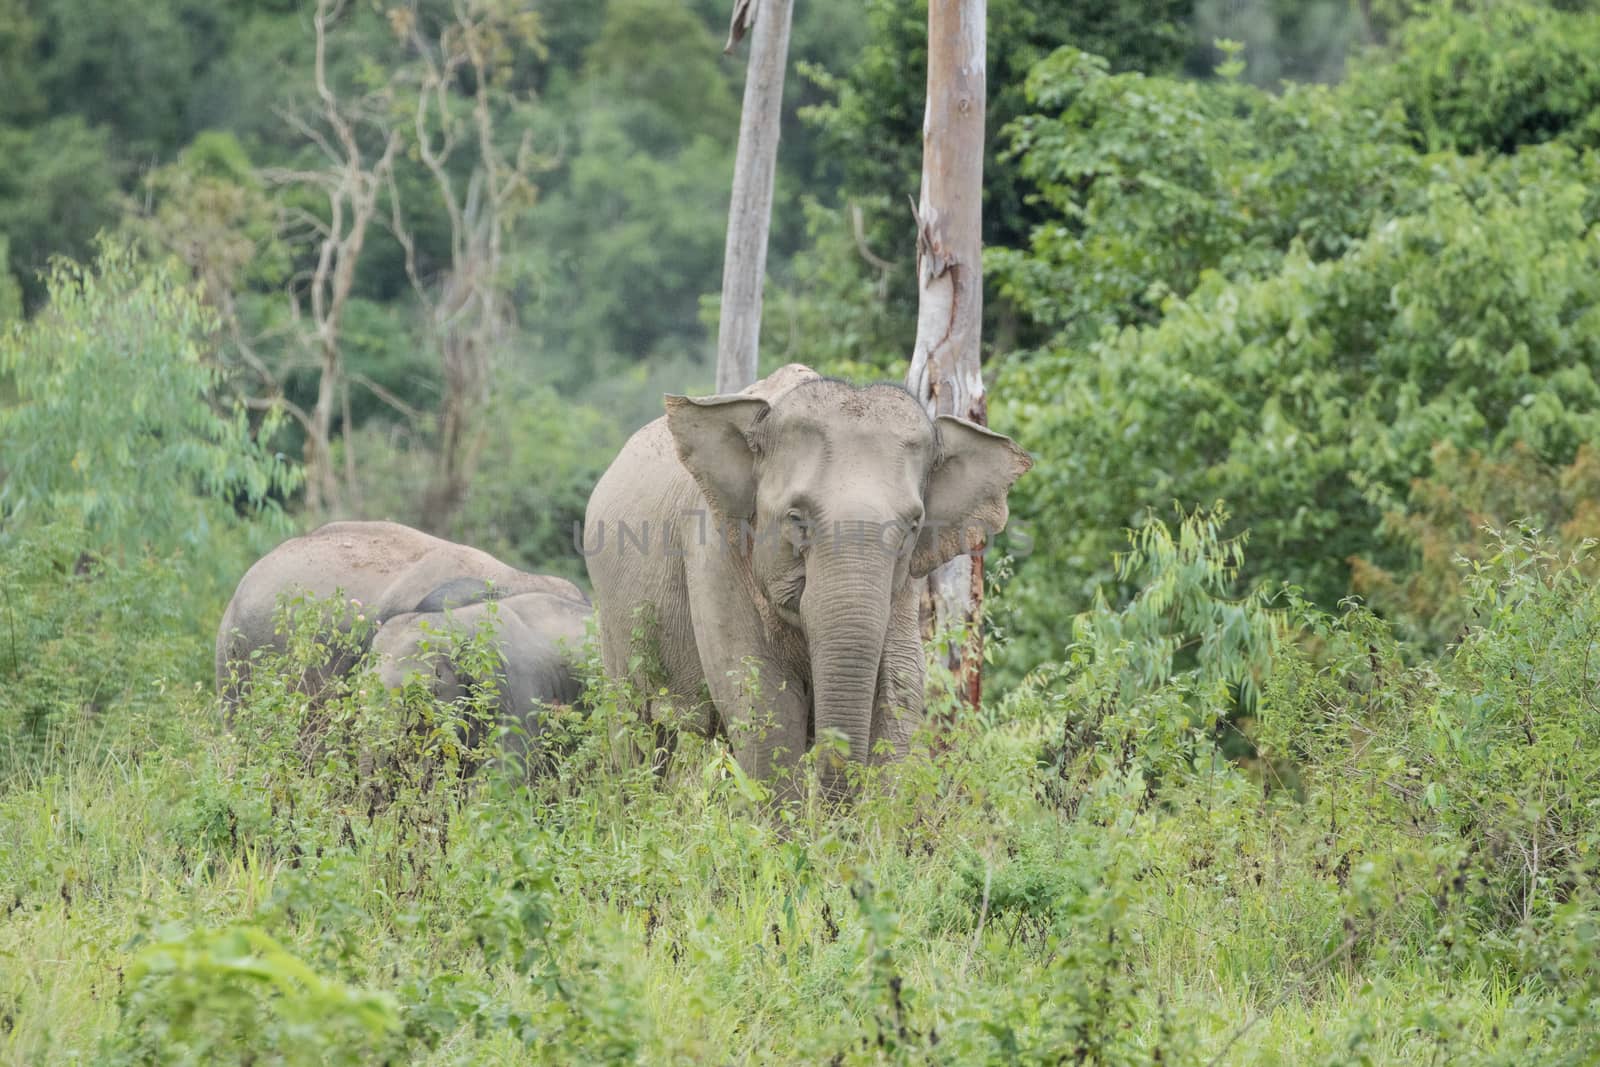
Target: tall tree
(945,373)
(744,264)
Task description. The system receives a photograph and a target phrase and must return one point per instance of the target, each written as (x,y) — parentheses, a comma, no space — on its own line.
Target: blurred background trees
(1313,269)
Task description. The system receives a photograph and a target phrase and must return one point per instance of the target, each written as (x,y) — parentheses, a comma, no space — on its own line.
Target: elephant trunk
(845,610)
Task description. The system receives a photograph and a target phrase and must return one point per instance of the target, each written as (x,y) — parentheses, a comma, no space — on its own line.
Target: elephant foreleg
(763,704)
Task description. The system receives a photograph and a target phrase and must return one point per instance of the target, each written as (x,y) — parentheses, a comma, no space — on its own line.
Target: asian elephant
(539,637)
(764,546)
(383,569)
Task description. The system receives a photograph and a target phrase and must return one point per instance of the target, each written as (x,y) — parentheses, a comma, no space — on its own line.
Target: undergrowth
(1221,830)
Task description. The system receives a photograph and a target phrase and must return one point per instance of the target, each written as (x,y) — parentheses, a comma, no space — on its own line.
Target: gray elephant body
(538,636)
(763,547)
(383,569)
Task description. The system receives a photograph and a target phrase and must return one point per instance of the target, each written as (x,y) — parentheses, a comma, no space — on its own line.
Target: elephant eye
(796,530)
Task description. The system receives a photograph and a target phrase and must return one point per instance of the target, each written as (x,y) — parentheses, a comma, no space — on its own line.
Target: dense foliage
(128,502)
(1291,302)
(1212,811)
(197,130)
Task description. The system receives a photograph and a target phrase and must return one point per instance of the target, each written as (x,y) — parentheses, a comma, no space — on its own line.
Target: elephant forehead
(836,411)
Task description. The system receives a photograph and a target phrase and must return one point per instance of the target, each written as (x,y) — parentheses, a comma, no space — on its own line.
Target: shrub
(1310,399)
(82,640)
(1143,692)
(1484,762)
(126,500)
(115,423)
(231,994)
(1449,519)
(1491,77)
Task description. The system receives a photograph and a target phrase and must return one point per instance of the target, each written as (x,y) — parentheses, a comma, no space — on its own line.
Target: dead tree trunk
(470,317)
(945,372)
(353,187)
(744,262)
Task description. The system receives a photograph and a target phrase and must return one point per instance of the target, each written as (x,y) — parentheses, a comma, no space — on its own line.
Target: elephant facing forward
(765,544)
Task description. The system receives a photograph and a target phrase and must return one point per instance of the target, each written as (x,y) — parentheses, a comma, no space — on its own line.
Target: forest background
(464,330)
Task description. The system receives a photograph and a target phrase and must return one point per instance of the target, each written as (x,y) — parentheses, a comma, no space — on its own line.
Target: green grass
(681,923)
(1398,867)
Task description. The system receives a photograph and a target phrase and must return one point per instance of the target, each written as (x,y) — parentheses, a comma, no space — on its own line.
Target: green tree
(629,233)
(58,188)
(113,425)
(875,123)
(1310,398)
(1284,40)
(19,36)
(1151,181)
(872,128)
(132,70)
(1491,78)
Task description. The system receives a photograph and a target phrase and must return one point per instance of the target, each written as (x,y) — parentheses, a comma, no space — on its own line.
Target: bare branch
(277,402)
(385,395)
(858,226)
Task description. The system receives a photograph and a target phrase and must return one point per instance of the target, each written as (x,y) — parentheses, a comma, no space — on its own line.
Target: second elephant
(538,638)
(381,569)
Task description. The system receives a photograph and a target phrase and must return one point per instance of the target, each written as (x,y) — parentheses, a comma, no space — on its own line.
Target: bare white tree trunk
(945,370)
(744,262)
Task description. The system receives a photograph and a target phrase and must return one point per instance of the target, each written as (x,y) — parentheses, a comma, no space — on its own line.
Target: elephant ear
(715,436)
(966,498)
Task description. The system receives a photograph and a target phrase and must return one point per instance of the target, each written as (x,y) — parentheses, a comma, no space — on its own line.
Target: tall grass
(1116,863)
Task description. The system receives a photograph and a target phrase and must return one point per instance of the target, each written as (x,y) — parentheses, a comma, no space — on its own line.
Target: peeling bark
(945,371)
(744,16)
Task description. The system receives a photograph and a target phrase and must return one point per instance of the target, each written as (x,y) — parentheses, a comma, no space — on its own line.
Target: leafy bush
(1143,692)
(1491,77)
(232,993)
(82,640)
(1484,761)
(1312,397)
(1449,519)
(127,500)
(113,423)
(324,741)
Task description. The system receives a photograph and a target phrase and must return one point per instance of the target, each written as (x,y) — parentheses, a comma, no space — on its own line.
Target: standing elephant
(386,568)
(538,635)
(764,544)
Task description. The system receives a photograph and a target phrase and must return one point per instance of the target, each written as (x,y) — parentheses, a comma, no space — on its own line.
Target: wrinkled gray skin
(539,636)
(390,569)
(824,624)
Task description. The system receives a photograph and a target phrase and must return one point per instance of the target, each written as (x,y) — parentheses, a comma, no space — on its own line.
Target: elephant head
(840,496)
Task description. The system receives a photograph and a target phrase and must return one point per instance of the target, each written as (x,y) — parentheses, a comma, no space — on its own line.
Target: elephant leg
(902,676)
(764,705)
(765,711)
(667,678)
